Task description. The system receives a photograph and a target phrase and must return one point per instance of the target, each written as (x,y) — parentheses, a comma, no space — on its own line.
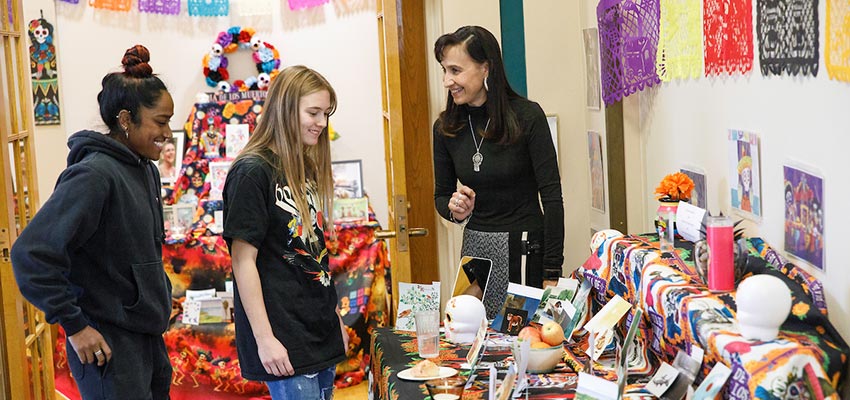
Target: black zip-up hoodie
(93,253)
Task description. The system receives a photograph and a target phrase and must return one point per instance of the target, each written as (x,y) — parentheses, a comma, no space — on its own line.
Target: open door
(407,143)
(26,345)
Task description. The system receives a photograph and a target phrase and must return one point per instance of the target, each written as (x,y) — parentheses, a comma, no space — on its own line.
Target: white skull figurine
(223,86)
(464,314)
(599,238)
(216,50)
(256,42)
(263,80)
(764,302)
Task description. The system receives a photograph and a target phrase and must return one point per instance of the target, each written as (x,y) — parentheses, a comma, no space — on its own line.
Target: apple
(531,334)
(540,345)
(552,333)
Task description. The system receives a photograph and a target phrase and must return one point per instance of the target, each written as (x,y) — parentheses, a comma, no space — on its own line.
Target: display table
(394,351)
(204,356)
(679,312)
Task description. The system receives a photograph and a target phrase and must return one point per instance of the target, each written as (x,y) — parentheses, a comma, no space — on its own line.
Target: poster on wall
(804,215)
(591,59)
(745,173)
(698,197)
(45,83)
(597,171)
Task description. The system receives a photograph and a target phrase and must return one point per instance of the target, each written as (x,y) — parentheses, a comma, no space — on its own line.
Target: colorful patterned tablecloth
(679,312)
(394,351)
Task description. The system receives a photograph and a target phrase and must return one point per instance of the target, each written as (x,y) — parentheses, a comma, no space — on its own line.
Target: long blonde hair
(279,130)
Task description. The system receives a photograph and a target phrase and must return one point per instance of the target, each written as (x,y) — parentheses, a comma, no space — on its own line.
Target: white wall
(801,119)
(339,43)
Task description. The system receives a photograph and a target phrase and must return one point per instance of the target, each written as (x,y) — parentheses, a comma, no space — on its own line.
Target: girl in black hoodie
(91,258)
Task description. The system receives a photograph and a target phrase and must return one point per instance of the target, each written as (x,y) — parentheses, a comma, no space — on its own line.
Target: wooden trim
(615,142)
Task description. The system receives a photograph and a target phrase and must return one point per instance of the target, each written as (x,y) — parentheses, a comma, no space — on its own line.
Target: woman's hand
(462,203)
(91,346)
(274,357)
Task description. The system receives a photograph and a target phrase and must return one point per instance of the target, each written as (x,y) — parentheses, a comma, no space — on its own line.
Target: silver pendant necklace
(477,158)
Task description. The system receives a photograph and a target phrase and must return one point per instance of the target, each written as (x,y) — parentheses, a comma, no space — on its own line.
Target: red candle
(721,255)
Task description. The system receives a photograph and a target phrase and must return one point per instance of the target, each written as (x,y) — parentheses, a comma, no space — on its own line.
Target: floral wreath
(264,55)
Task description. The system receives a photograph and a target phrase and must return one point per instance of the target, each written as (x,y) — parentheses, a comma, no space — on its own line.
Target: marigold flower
(675,187)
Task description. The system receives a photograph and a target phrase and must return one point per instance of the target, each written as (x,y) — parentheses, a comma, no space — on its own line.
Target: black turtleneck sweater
(510,180)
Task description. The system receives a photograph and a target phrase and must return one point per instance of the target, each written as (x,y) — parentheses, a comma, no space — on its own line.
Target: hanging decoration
(45,85)
(170,7)
(628,34)
(680,54)
(114,5)
(728,30)
(265,56)
(250,8)
(838,39)
(788,36)
(208,8)
(302,4)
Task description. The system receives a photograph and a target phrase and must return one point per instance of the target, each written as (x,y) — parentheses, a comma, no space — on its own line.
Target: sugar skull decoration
(45,86)
(759,319)
(265,56)
(464,314)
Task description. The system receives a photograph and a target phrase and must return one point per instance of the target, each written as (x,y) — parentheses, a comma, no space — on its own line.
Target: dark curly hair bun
(135,62)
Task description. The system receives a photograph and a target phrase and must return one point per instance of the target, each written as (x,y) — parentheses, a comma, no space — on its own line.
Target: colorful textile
(728,30)
(206,138)
(171,7)
(45,82)
(208,8)
(838,40)
(204,358)
(302,4)
(788,36)
(394,351)
(628,32)
(680,312)
(115,5)
(247,8)
(680,53)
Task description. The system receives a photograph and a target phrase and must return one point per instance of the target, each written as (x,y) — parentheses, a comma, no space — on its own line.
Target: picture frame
(183,216)
(348,179)
(552,120)
(168,173)
(218,175)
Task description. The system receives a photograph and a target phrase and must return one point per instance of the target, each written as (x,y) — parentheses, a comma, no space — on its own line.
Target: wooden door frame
(407,137)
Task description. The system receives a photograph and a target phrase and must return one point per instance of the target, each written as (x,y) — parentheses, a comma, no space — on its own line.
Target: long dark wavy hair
(483,47)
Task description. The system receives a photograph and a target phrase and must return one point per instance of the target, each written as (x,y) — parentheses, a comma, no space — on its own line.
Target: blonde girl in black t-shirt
(288,329)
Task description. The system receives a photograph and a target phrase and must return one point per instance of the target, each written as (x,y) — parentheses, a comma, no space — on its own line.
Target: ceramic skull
(759,319)
(263,80)
(599,238)
(464,314)
(256,43)
(216,50)
(223,86)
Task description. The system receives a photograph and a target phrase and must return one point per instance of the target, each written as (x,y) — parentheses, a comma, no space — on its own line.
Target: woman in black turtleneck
(498,146)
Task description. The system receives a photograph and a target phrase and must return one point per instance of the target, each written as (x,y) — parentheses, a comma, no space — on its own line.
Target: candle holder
(446,388)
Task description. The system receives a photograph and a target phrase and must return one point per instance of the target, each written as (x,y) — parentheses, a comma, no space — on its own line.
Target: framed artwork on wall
(745,173)
(804,214)
(597,171)
(171,157)
(348,179)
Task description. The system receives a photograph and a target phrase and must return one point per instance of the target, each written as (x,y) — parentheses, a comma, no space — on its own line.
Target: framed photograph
(745,173)
(167,218)
(698,198)
(183,217)
(591,57)
(552,120)
(171,157)
(804,214)
(348,179)
(236,137)
(218,174)
(597,171)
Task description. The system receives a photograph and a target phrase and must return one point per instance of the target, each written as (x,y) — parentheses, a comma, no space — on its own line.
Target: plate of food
(426,370)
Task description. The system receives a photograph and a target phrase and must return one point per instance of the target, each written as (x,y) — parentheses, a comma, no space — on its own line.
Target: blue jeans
(315,386)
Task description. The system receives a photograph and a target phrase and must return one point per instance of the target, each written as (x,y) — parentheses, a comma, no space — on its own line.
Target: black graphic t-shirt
(298,291)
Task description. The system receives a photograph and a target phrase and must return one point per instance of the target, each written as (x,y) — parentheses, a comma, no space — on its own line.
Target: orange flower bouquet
(675,187)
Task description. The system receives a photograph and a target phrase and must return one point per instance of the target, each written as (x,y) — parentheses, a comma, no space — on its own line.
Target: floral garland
(264,55)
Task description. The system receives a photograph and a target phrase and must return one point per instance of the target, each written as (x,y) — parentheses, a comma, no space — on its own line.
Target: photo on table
(171,157)
(348,179)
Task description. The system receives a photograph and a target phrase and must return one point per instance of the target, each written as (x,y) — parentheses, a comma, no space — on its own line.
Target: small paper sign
(477,344)
(689,221)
